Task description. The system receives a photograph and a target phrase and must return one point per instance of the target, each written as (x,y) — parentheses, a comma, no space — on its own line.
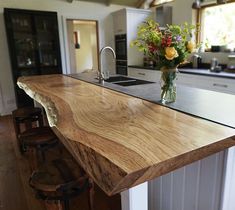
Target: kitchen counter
(122,141)
(193,101)
(203,72)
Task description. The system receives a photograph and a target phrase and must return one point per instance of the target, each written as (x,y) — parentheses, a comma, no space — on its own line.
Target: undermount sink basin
(126,81)
(117,79)
(133,82)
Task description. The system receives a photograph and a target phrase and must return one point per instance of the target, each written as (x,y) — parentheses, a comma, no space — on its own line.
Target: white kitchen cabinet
(164,15)
(135,17)
(120,22)
(144,74)
(223,85)
(126,21)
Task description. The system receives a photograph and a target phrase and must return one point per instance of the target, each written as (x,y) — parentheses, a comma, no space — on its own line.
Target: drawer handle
(220,85)
(142,74)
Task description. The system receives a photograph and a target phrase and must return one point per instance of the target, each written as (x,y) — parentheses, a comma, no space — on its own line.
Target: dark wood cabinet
(34,46)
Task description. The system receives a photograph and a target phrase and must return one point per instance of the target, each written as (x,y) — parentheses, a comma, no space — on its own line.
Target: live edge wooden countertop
(122,141)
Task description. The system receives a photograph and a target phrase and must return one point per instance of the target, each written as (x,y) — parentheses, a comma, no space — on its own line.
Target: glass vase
(168,85)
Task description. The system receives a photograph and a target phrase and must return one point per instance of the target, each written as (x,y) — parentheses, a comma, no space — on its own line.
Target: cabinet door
(119,22)
(47,43)
(164,15)
(223,85)
(33,42)
(23,43)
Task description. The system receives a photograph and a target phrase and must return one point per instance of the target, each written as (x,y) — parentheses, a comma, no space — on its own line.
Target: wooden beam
(108,2)
(140,3)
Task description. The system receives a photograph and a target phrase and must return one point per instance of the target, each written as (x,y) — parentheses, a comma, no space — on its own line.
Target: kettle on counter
(196,60)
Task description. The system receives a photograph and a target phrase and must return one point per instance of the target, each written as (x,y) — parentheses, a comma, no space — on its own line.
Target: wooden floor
(15,193)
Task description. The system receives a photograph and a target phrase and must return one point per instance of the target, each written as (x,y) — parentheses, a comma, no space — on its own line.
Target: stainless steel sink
(117,79)
(133,82)
(126,81)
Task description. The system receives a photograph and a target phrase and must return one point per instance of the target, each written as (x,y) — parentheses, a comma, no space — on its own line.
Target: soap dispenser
(196,60)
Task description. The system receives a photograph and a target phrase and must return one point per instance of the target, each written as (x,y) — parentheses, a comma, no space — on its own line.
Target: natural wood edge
(172,164)
(49,106)
(103,168)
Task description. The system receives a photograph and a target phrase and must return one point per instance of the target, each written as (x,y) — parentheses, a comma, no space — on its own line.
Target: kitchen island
(121,140)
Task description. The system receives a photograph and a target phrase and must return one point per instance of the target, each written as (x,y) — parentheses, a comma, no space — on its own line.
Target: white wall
(86,56)
(71,48)
(94,49)
(78,9)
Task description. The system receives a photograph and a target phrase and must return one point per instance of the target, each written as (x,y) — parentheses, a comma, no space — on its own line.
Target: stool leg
(66,204)
(40,120)
(32,151)
(91,194)
(53,205)
(42,154)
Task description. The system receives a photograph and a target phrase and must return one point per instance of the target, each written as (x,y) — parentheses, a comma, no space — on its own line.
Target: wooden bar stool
(34,138)
(58,181)
(25,117)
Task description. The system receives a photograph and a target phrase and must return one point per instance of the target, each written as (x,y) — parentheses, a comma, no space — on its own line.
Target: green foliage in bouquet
(169,47)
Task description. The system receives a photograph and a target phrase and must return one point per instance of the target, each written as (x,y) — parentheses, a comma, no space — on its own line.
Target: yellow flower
(171,53)
(190,46)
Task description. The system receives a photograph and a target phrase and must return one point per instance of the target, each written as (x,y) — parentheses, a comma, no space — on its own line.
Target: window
(218,25)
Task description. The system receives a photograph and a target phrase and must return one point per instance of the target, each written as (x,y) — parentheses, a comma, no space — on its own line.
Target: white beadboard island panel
(197,186)
(228,199)
(135,198)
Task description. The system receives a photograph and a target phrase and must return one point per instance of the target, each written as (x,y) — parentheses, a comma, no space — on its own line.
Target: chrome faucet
(100,71)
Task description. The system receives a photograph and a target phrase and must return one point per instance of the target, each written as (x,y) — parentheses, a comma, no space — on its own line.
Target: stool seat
(34,139)
(56,175)
(38,136)
(25,113)
(60,180)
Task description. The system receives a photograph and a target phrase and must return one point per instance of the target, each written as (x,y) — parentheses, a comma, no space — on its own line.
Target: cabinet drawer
(149,75)
(223,85)
(209,83)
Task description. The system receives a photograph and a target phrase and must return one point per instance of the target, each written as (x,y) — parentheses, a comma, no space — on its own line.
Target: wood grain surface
(122,141)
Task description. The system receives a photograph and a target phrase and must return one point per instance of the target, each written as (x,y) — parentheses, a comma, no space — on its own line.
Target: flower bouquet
(168,47)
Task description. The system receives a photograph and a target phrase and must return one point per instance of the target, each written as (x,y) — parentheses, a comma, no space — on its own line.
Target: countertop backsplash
(221,56)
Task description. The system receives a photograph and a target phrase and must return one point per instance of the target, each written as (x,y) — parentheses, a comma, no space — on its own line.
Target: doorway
(83,45)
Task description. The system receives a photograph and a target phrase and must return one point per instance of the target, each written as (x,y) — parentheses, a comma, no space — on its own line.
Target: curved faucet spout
(100,71)
(108,48)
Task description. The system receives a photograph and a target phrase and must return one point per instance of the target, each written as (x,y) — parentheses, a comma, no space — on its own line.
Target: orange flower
(171,53)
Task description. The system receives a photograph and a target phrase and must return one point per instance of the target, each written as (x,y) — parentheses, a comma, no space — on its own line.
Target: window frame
(199,18)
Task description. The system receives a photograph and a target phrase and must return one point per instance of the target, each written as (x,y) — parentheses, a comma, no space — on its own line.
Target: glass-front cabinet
(34,47)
